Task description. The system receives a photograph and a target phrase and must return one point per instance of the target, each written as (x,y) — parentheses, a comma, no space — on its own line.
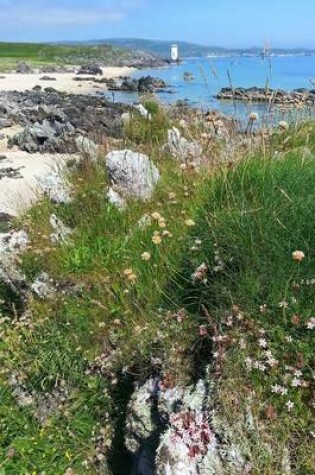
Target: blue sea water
(211,74)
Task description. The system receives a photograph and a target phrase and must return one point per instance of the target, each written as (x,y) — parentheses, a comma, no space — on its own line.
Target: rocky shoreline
(276,96)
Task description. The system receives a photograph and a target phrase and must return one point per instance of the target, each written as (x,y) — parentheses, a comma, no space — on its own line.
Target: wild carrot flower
(145,256)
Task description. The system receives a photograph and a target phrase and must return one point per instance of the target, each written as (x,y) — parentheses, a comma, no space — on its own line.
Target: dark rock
(23,68)
(5,218)
(47,78)
(93,69)
(37,88)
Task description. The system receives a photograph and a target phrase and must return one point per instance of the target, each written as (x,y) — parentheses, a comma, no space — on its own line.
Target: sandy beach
(19,186)
(63,81)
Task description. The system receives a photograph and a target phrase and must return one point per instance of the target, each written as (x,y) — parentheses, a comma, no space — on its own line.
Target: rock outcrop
(132,174)
(277,96)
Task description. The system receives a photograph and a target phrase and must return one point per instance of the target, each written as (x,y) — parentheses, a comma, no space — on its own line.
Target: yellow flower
(190,223)
(298,256)
(145,256)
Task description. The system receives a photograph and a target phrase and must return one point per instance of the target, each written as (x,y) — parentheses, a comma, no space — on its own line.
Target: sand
(64,81)
(19,192)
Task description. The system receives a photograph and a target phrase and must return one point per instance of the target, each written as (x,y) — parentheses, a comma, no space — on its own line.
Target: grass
(37,54)
(123,288)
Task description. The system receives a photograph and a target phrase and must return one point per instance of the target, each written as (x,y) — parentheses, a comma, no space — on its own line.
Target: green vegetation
(43,54)
(124,280)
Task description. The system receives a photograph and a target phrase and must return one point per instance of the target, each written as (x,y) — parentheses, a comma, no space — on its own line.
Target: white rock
(87,147)
(116,199)
(43,286)
(61,232)
(132,173)
(55,187)
(143,111)
(181,149)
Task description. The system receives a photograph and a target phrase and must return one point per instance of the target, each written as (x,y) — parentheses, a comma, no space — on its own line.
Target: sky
(230,23)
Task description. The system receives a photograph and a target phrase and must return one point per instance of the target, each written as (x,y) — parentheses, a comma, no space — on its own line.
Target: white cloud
(35,14)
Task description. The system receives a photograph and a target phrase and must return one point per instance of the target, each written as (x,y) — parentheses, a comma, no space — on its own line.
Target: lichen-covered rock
(11,244)
(182,149)
(170,432)
(87,147)
(55,186)
(60,231)
(132,173)
(43,286)
(116,199)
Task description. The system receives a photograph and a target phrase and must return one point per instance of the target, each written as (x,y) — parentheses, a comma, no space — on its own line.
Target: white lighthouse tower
(174,53)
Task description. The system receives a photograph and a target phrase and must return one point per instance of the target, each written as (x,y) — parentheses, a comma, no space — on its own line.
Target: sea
(210,74)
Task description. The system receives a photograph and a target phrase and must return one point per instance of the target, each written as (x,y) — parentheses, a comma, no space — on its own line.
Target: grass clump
(202,275)
(254,298)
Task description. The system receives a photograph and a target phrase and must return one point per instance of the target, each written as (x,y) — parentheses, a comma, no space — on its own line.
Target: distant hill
(162,48)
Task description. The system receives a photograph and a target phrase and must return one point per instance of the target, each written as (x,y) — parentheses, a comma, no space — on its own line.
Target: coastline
(63,82)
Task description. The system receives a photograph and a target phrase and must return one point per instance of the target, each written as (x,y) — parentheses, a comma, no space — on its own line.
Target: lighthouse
(174,53)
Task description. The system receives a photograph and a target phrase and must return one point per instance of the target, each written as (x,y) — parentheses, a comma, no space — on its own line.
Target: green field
(41,54)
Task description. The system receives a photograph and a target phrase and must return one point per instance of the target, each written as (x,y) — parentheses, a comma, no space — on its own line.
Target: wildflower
(311,324)
(253,116)
(289,339)
(162,223)
(242,344)
(157,239)
(283,304)
(200,273)
(130,275)
(156,216)
(296,382)
(296,319)
(262,342)
(263,308)
(190,223)
(167,233)
(128,272)
(145,256)
(298,256)
(283,125)
(289,405)
(203,331)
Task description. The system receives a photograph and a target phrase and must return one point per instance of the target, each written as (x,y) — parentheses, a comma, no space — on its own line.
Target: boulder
(60,231)
(23,68)
(11,244)
(93,69)
(132,173)
(116,199)
(87,147)
(43,287)
(181,149)
(5,123)
(55,187)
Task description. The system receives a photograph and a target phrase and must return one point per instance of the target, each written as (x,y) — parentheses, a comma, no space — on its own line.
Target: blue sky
(239,23)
